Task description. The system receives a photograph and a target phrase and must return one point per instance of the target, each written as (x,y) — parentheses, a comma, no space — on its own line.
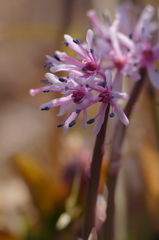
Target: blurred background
(42,171)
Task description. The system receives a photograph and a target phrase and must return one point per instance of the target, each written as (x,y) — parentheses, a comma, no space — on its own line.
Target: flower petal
(84,121)
(153,75)
(108,78)
(89,38)
(120,114)
(75,47)
(100,118)
(56,102)
(72,117)
(117,84)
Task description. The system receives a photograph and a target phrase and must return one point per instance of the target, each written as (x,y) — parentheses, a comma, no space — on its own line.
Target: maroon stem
(93,180)
(115,154)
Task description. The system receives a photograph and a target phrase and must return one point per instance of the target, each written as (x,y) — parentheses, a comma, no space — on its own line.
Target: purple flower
(88,61)
(74,92)
(79,94)
(144,55)
(127,47)
(147,55)
(106,95)
(116,48)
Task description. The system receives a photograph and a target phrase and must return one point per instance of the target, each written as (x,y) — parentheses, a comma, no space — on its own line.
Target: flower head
(143,54)
(106,95)
(88,61)
(78,95)
(126,46)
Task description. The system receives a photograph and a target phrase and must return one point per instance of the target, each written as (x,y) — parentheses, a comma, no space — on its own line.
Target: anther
(91,50)
(78,110)
(62,79)
(130,35)
(76,41)
(57,57)
(112,114)
(44,81)
(87,86)
(156,70)
(102,84)
(91,121)
(45,108)
(66,44)
(111,96)
(60,124)
(47,64)
(72,123)
(84,69)
(46,91)
(79,102)
(66,88)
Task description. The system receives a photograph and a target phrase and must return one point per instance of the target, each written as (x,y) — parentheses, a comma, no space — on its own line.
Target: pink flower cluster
(119,45)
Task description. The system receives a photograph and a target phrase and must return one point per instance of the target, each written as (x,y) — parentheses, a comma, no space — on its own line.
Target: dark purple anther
(62,79)
(46,91)
(60,125)
(66,44)
(111,114)
(91,121)
(45,108)
(45,81)
(78,110)
(57,57)
(84,69)
(72,123)
(76,41)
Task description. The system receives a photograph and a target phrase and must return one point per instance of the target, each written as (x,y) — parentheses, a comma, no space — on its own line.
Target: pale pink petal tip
(32,92)
(93,235)
(91,12)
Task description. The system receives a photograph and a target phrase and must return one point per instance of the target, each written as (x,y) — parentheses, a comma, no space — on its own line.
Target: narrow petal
(52,78)
(89,38)
(33,92)
(108,78)
(100,119)
(120,114)
(84,121)
(63,108)
(146,14)
(75,47)
(56,102)
(120,95)
(125,40)
(64,67)
(153,75)
(72,117)
(117,84)
(97,25)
